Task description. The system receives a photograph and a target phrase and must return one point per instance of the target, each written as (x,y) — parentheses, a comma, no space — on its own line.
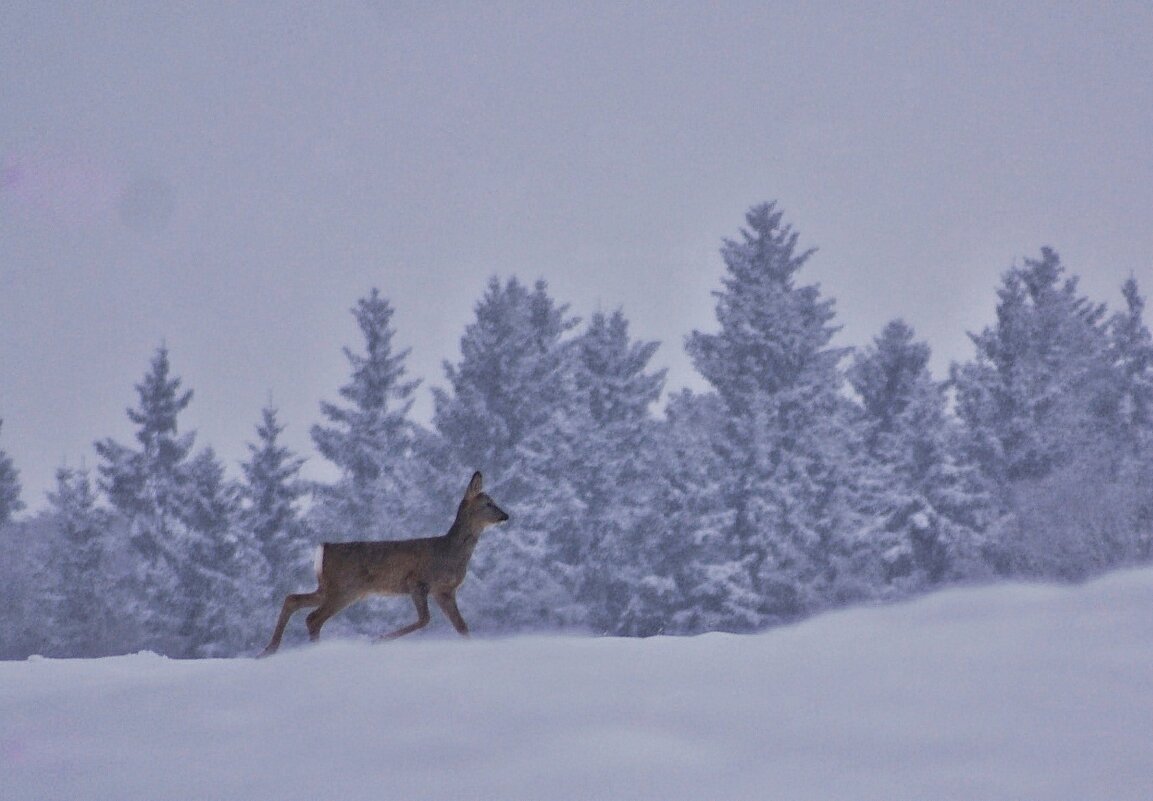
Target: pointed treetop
(613,368)
(772,331)
(160,401)
(885,373)
(377,374)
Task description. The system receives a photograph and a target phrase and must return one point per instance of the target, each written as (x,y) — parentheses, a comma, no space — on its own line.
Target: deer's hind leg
(292,604)
(333,602)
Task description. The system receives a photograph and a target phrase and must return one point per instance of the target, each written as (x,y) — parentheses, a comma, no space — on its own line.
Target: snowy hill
(1011,692)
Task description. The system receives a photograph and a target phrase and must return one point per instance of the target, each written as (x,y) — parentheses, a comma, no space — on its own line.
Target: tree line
(805,477)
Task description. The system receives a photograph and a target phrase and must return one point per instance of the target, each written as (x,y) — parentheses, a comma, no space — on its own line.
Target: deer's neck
(462,538)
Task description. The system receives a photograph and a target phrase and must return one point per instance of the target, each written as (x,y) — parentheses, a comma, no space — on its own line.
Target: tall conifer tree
(223,574)
(10,502)
(1030,393)
(148,487)
(511,412)
(924,505)
(1131,351)
(271,493)
(370,437)
(83,606)
(784,442)
(614,469)
(1038,403)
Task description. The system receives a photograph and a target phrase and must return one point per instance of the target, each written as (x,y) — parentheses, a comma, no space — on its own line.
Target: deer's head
(477,507)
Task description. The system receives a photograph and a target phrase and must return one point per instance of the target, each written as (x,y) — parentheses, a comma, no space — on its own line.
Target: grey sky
(230,178)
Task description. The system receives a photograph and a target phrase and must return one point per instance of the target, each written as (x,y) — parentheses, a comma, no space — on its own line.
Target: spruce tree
(29,590)
(784,442)
(688,580)
(514,372)
(511,411)
(1038,405)
(924,506)
(272,493)
(1030,395)
(83,604)
(224,576)
(10,502)
(148,487)
(1131,351)
(614,468)
(370,437)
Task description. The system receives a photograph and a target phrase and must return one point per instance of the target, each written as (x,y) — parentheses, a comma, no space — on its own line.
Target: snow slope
(1010,692)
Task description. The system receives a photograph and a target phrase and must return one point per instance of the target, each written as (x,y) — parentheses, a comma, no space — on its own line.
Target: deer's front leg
(420,601)
(446,600)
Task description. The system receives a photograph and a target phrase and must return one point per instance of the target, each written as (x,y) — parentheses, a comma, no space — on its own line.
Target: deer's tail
(318,560)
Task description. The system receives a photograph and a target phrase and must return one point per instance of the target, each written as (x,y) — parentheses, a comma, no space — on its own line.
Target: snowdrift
(1009,692)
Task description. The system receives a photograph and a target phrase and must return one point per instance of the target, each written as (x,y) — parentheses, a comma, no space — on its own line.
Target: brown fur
(350,571)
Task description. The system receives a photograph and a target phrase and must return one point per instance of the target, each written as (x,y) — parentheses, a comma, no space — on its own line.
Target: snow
(1004,692)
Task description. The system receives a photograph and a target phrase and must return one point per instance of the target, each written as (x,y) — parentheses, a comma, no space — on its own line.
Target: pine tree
(272,493)
(925,505)
(511,413)
(223,576)
(613,469)
(147,486)
(29,593)
(690,581)
(784,442)
(1038,404)
(370,438)
(1028,397)
(1131,350)
(515,370)
(82,614)
(10,502)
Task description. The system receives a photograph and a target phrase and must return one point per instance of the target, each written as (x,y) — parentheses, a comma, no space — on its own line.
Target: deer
(346,572)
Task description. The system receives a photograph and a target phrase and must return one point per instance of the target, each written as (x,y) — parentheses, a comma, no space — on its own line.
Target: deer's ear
(474,486)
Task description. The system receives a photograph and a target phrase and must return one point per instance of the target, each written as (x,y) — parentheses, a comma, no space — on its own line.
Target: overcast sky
(229,178)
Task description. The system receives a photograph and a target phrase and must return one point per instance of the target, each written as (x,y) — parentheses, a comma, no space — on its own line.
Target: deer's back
(388,567)
(360,568)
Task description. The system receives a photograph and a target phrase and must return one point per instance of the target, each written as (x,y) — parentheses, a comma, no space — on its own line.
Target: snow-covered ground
(1010,692)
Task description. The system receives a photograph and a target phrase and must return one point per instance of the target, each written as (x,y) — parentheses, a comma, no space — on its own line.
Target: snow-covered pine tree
(614,471)
(148,486)
(83,611)
(22,592)
(511,411)
(1029,396)
(370,438)
(28,587)
(785,443)
(1035,404)
(923,504)
(690,582)
(10,502)
(515,369)
(224,576)
(271,493)
(1131,351)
